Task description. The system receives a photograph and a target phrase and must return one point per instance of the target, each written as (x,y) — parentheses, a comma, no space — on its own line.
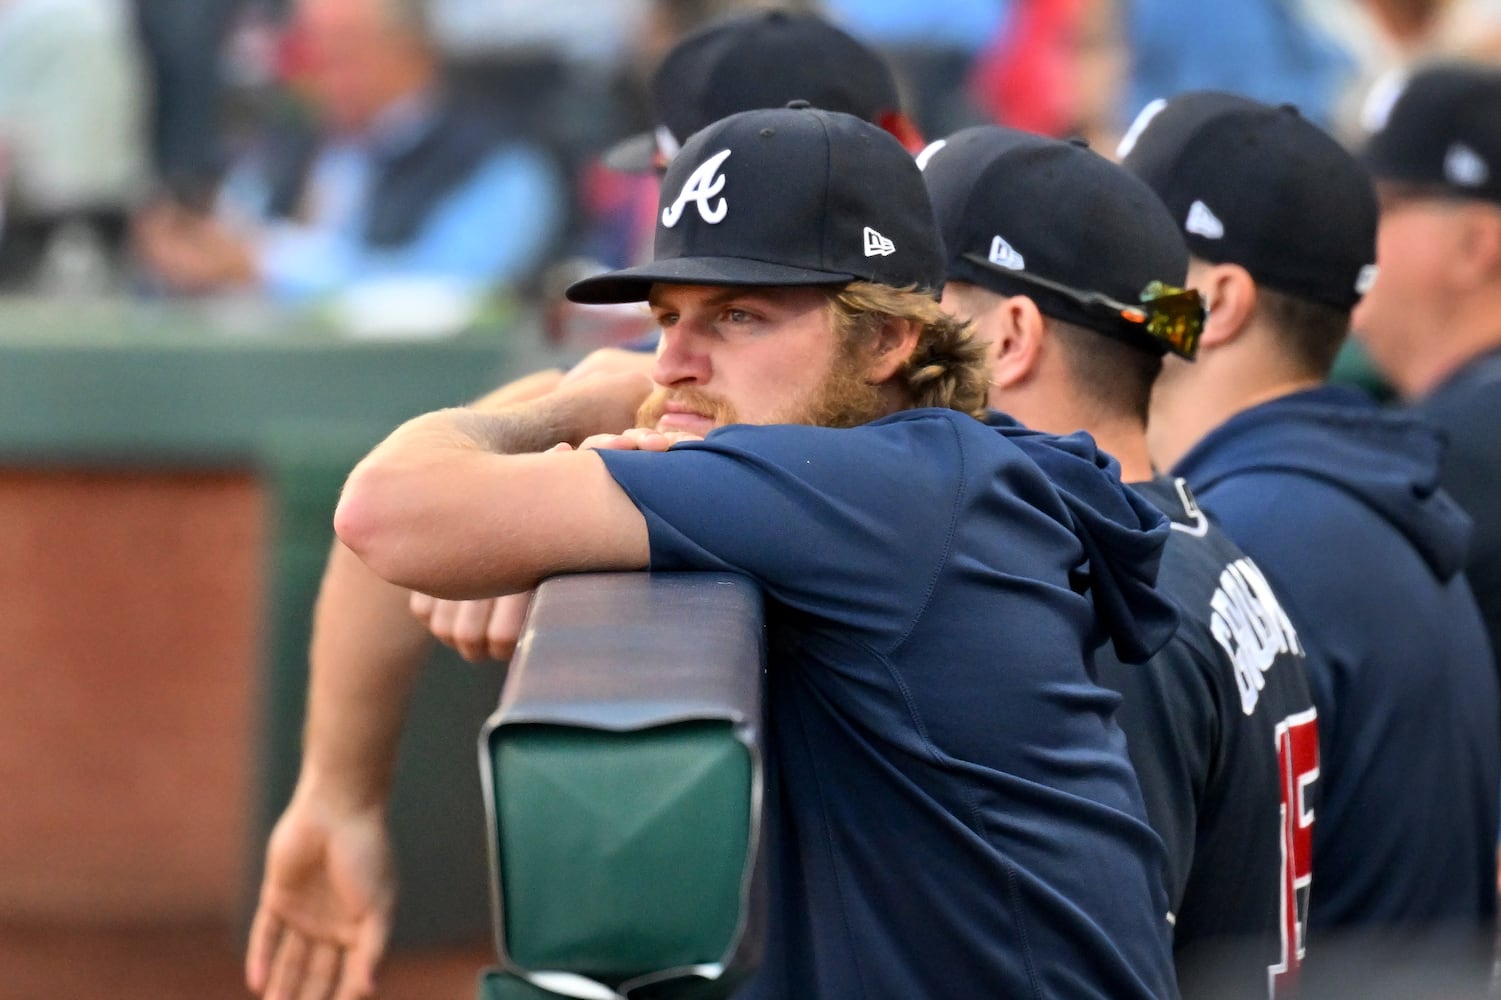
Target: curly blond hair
(947,368)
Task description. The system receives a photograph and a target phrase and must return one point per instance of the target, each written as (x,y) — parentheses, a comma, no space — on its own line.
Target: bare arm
(457,503)
(489,627)
(328,895)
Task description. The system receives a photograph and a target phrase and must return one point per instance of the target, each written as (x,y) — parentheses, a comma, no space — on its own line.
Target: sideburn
(847,398)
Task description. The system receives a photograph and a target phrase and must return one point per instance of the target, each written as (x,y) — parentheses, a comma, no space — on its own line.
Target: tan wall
(130,609)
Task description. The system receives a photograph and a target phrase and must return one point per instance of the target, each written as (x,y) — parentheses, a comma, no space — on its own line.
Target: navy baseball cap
(788,196)
(1262,187)
(1018,212)
(1442,131)
(762,59)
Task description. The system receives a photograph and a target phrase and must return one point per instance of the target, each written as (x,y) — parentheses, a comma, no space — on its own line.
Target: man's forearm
(461,504)
(367,649)
(366,654)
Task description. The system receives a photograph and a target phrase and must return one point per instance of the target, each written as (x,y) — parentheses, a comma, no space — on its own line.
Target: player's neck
(1446,353)
(1056,409)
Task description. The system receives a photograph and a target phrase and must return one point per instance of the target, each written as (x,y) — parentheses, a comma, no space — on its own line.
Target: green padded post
(649,832)
(623,778)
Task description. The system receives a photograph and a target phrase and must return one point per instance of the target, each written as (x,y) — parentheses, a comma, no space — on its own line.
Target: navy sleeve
(852,524)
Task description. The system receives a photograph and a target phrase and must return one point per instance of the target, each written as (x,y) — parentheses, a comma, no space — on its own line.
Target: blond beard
(845,399)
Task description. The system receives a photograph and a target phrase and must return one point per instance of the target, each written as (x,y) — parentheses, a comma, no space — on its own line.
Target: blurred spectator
(1029,76)
(555,66)
(579,31)
(1088,67)
(396,188)
(1387,36)
(1271,50)
(73,154)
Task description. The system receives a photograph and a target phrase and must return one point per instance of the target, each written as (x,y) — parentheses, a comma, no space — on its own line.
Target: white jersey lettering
(1250,625)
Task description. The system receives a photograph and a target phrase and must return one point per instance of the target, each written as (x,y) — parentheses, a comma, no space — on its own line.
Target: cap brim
(634,154)
(633,284)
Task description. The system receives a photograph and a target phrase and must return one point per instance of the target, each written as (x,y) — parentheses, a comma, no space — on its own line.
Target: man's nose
(681,357)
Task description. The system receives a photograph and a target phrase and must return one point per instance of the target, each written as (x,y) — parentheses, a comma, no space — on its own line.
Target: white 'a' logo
(703,184)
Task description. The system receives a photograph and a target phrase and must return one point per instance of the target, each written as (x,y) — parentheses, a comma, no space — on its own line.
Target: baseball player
(951,811)
(739,62)
(362,628)
(1430,320)
(1339,504)
(1069,267)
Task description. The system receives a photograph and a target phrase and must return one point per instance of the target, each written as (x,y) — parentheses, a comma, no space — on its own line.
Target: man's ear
(1229,293)
(1016,334)
(1478,261)
(892,349)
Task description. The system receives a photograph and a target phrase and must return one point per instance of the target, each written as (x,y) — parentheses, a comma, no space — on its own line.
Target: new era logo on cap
(1006,255)
(1204,222)
(877,245)
(1463,167)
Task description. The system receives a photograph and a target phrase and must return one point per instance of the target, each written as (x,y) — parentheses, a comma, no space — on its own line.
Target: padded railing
(623,778)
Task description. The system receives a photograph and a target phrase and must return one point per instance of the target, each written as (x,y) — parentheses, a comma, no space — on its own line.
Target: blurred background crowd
(405,168)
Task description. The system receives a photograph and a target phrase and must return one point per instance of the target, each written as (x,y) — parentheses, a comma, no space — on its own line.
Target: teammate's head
(1259,191)
(796,250)
(1435,154)
(1053,249)
(761,59)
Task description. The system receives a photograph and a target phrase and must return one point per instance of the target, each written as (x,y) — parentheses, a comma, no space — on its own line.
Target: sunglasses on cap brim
(1170,316)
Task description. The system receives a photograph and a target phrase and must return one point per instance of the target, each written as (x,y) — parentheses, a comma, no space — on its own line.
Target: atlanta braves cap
(762,59)
(1443,131)
(787,196)
(1262,187)
(1013,207)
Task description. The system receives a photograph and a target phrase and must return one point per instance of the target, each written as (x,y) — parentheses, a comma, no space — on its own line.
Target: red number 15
(1298,761)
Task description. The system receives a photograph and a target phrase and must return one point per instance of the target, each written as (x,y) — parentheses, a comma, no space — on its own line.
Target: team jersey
(950,809)
(1339,504)
(1222,730)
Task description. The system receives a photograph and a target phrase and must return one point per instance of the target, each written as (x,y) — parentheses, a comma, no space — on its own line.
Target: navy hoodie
(950,808)
(1338,501)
